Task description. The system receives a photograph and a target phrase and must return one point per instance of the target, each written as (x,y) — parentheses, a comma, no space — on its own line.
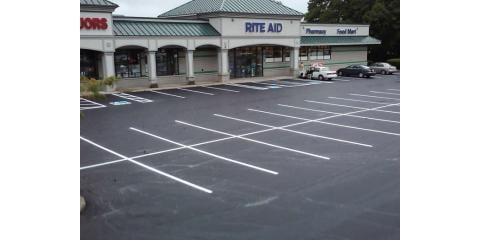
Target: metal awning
(338,40)
(154,28)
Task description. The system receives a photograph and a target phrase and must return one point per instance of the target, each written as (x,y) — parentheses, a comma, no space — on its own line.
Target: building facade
(211,40)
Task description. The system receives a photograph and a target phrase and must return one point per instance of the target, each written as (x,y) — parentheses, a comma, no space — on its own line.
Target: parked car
(383,68)
(356,70)
(320,73)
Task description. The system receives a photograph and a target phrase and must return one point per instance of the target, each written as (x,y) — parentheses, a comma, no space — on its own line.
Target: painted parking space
(242,151)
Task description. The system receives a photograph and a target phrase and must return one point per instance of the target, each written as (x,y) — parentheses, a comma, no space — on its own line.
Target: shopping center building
(211,41)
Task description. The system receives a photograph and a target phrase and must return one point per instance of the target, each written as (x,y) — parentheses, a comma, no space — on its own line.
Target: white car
(320,73)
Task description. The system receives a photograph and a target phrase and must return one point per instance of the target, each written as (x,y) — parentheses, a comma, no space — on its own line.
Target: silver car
(383,68)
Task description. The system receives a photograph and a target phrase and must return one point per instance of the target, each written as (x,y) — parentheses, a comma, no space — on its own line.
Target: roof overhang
(338,40)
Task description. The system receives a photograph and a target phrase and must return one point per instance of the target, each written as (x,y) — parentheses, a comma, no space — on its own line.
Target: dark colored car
(356,70)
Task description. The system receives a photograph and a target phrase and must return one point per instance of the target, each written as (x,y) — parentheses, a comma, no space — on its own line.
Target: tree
(382,15)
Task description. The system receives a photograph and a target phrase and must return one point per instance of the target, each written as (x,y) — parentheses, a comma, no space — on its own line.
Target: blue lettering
(248,27)
(270,28)
(279,27)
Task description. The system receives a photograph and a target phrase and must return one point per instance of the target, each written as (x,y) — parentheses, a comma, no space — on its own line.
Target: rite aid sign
(93,23)
(261,27)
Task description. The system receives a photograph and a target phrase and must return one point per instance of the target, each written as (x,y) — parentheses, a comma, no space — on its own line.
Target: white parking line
(293,131)
(242,135)
(206,153)
(149,168)
(255,141)
(246,86)
(385,93)
(167,94)
(361,95)
(319,121)
(340,105)
(132,97)
(311,81)
(86,104)
(356,100)
(355,116)
(272,84)
(195,91)
(221,89)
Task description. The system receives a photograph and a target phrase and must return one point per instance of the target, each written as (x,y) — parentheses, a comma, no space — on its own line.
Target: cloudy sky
(152,8)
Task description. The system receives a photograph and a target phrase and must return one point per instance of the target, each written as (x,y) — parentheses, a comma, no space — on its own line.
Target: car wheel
(384,73)
(321,78)
(361,75)
(340,73)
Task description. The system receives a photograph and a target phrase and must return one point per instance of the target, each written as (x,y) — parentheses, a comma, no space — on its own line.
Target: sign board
(334,30)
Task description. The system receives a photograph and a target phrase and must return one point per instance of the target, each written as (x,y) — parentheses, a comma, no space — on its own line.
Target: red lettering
(93,23)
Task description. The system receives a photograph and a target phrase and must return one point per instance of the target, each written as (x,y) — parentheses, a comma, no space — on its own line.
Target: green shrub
(110,81)
(395,62)
(91,88)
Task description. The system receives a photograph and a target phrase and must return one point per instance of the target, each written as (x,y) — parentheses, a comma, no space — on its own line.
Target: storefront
(206,40)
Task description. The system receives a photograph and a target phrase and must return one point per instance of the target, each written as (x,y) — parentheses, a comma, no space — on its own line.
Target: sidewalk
(185,85)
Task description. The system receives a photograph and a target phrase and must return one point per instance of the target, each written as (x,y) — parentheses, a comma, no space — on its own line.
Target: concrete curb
(174,86)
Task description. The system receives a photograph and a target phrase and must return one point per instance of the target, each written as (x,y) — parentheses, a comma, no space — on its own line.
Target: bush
(395,62)
(110,81)
(91,88)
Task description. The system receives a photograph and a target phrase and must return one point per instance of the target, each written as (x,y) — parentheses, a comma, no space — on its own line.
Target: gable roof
(197,7)
(152,27)
(98,3)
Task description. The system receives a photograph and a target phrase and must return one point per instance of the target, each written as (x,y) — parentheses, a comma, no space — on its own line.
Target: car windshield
(324,69)
(364,67)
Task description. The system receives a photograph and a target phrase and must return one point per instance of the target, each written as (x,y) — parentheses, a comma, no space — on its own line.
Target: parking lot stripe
(168,94)
(148,167)
(221,89)
(87,104)
(206,153)
(293,131)
(323,122)
(311,81)
(362,95)
(340,105)
(246,86)
(132,97)
(385,93)
(242,135)
(195,91)
(355,116)
(356,100)
(272,84)
(253,140)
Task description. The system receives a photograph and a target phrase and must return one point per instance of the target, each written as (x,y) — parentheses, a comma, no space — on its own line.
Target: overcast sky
(153,8)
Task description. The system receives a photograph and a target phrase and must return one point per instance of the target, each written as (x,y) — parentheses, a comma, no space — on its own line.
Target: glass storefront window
(273,54)
(130,63)
(89,63)
(286,54)
(303,53)
(246,62)
(167,61)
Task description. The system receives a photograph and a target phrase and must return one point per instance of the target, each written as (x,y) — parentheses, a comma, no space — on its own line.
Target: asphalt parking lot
(283,159)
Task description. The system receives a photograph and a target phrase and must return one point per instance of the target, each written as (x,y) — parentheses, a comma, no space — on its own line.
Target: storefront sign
(316,31)
(92,23)
(263,27)
(350,31)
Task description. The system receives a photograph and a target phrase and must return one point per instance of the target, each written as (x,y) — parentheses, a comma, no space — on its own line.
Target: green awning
(338,40)
(156,28)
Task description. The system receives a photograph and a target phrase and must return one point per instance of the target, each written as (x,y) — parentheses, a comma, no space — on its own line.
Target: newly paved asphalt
(354,195)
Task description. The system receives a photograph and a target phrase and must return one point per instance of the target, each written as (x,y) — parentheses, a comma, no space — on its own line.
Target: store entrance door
(246,62)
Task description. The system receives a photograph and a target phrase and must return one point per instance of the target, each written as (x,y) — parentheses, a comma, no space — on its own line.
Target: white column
(222,56)
(294,61)
(152,68)
(108,64)
(108,68)
(190,67)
